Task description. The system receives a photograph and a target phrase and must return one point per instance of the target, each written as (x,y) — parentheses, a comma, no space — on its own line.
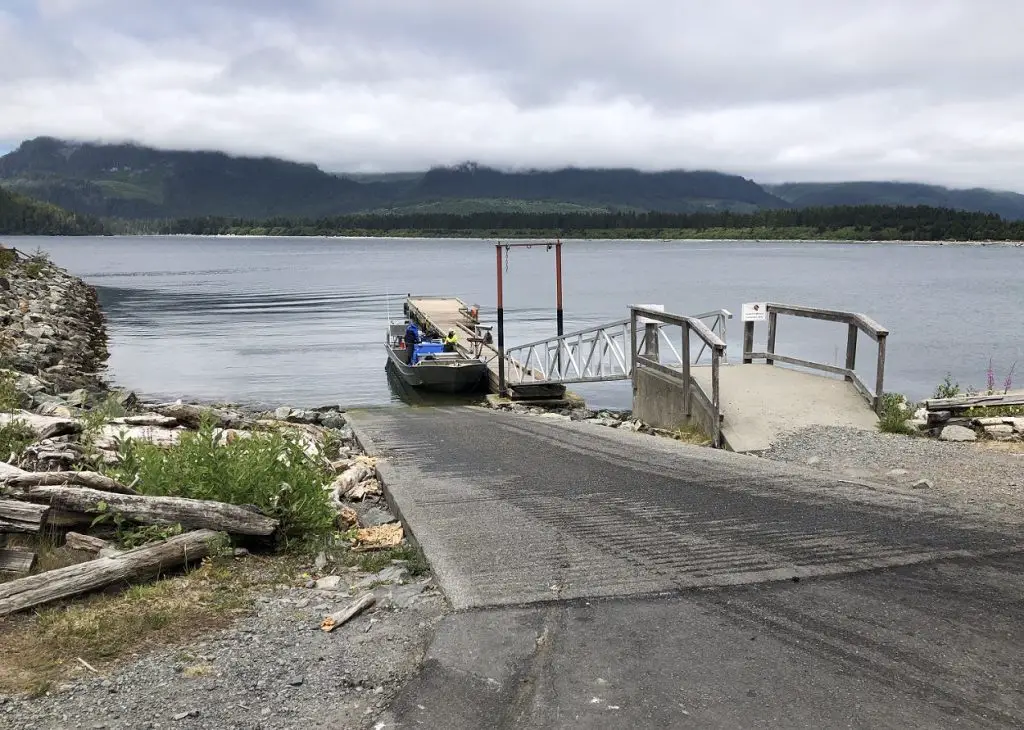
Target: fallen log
(189,513)
(334,620)
(21,517)
(91,479)
(85,543)
(963,402)
(141,563)
(14,560)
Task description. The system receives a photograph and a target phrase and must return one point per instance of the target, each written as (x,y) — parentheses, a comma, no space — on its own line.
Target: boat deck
(440,314)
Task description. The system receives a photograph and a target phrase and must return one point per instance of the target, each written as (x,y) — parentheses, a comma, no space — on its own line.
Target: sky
(775,90)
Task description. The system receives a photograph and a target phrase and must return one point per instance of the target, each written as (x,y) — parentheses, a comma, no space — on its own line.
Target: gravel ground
(275,669)
(981,478)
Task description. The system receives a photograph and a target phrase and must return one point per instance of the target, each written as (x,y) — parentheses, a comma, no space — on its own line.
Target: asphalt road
(612,580)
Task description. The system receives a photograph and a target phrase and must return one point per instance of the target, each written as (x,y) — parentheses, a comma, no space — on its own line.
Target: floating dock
(438,314)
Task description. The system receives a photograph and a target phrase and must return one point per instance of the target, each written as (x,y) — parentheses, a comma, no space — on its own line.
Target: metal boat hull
(459,376)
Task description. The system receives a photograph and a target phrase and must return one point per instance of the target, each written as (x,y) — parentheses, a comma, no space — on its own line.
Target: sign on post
(754,312)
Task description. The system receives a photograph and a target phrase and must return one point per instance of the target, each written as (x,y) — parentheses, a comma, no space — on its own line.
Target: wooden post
(651,344)
(880,373)
(773,320)
(851,350)
(632,346)
(502,390)
(748,342)
(686,369)
(716,428)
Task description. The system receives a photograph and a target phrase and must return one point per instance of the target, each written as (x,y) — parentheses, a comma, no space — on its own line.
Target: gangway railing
(606,352)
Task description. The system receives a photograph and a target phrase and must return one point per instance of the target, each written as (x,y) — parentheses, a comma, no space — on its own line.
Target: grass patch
(691,435)
(270,470)
(895,414)
(994,411)
(10,396)
(42,649)
(377,560)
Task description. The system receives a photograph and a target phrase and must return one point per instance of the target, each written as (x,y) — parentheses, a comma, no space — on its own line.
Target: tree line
(872,222)
(23,216)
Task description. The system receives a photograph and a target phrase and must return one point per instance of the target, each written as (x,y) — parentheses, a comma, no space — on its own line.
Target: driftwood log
(189,513)
(141,563)
(21,517)
(85,543)
(963,402)
(14,560)
(334,620)
(91,479)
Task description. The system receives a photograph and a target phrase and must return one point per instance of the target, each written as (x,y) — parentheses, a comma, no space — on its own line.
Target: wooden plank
(18,516)
(801,363)
(664,370)
(862,388)
(773,326)
(963,402)
(869,326)
(698,326)
(16,560)
(851,347)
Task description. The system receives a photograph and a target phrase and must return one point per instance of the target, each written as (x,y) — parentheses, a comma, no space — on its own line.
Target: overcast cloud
(776,90)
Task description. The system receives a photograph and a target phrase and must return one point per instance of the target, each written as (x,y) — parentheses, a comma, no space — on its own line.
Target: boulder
(957,433)
(1000,431)
(376,516)
(333,419)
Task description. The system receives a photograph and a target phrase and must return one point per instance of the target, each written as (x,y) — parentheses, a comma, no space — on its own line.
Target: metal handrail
(594,354)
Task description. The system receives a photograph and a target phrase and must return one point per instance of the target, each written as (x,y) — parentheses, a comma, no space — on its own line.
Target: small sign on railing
(641,320)
(754,312)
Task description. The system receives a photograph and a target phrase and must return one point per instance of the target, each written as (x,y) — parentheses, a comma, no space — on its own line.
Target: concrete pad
(762,403)
(513,509)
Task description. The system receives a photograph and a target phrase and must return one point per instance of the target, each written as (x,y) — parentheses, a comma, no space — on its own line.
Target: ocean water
(301,320)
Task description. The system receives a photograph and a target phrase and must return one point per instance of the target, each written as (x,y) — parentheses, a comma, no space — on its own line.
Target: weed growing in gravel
(894,415)
(271,470)
(374,562)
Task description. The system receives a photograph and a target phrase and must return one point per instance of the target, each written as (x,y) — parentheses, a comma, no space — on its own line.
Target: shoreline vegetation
(844,223)
(865,223)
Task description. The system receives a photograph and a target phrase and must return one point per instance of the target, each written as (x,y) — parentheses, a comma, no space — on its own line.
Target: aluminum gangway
(602,353)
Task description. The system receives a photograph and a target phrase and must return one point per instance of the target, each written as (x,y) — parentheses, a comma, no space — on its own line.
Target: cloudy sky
(776,90)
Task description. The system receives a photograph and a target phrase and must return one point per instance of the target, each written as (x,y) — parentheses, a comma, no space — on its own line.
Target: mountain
(811,195)
(22,216)
(131,181)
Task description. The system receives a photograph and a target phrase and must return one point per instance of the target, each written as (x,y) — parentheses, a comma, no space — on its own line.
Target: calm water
(300,321)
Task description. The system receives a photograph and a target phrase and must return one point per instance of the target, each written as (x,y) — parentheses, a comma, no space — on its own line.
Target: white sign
(644,320)
(754,312)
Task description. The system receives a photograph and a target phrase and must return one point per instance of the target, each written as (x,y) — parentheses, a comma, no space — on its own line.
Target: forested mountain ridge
(815,195)
(135,182)
(21,215)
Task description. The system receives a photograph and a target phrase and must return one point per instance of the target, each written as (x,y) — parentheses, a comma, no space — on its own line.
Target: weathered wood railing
(693,394)
(855,322)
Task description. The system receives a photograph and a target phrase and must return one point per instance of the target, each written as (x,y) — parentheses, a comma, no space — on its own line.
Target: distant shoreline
(497,236)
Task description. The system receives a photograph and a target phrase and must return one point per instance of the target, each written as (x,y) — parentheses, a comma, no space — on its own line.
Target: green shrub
(947,388)
(10,396)
(15,437)
(894,415)
(269,470)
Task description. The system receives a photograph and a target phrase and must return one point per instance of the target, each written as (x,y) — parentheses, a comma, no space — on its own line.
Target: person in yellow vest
(449,341)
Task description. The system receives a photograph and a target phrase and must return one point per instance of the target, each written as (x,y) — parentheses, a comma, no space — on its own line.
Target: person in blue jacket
(412,334)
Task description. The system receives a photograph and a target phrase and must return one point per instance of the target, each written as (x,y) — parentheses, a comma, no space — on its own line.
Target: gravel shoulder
(984,478)
(272,668)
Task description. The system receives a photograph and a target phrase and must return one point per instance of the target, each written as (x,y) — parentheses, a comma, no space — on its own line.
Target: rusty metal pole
(502,391)
(558,303)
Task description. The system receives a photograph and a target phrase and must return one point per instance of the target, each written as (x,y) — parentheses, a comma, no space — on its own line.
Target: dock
(438,314)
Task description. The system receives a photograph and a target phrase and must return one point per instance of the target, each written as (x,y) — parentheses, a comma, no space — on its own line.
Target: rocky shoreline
(352,615)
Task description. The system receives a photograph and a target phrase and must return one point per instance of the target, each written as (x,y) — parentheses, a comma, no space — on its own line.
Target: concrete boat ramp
(604,579)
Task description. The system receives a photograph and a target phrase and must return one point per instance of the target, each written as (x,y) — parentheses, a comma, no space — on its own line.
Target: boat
(426,365)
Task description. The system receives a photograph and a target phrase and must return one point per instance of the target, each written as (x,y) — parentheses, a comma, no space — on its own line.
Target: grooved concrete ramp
(760,403)
(517,509)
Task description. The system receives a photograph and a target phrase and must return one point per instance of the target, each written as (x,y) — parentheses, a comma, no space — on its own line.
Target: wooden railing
(855,322)
(692,392)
